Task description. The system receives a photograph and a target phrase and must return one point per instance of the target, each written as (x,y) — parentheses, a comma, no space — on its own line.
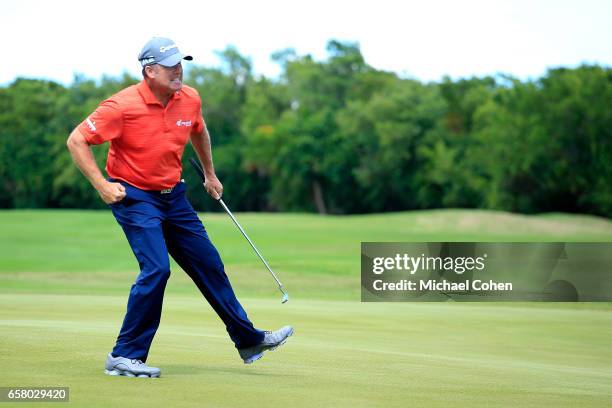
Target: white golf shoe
(129,367)
(271,341)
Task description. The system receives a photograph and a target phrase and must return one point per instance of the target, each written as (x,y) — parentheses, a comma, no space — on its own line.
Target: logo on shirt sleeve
(91,124)
(180,123)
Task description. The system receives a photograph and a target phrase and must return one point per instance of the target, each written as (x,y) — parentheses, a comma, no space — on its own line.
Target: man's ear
(150,71)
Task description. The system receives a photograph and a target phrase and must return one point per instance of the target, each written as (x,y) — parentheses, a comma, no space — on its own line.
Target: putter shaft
(200,172)
(227,210)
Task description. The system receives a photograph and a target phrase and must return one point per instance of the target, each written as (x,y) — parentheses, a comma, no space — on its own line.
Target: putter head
(285,298)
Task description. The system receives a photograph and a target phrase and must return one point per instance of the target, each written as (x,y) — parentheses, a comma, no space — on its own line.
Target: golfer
(147,126)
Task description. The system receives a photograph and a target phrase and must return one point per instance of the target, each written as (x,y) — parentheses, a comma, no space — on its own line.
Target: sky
(425,40)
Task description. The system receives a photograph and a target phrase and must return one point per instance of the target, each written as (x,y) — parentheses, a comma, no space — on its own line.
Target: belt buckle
(166,191)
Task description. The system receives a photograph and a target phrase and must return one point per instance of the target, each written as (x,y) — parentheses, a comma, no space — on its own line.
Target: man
(148,125)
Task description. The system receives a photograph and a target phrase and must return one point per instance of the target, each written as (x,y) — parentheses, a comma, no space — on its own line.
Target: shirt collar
(147,95)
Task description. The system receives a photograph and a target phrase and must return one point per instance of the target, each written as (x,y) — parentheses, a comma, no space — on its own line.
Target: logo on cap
(166,48)
(147,60)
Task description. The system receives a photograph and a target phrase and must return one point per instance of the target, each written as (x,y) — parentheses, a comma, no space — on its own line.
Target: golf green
(65,275)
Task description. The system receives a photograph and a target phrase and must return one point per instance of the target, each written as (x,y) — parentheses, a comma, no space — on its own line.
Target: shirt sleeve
(198,126)
(104,124)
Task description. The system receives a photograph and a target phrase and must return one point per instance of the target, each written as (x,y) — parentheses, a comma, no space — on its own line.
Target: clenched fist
(111,192)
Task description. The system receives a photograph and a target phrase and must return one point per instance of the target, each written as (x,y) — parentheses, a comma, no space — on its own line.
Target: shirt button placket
(166,127)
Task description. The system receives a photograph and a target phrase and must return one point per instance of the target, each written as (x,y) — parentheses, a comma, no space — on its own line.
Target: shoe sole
(116,373)
(253,359)
(257,356)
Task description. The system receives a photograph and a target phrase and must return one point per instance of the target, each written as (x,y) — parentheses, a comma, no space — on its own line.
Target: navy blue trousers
(156,225)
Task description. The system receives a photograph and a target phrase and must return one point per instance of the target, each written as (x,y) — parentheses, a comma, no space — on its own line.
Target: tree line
(339,136)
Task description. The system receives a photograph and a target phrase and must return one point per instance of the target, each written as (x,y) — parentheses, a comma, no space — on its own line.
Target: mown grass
(65,275)
(315,257)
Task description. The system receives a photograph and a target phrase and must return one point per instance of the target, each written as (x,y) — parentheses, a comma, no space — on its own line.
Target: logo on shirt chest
(180,123)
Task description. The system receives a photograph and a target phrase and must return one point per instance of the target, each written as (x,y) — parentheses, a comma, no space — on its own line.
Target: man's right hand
(111,192)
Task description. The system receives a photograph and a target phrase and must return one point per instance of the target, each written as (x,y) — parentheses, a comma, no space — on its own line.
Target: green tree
(27,112)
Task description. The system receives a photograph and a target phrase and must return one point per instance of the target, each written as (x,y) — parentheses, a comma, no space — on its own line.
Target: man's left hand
(213,187)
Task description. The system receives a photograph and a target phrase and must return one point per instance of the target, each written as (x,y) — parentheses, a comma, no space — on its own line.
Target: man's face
(170,78)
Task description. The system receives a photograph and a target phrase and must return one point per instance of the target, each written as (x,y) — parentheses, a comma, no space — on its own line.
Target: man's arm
(83,158)
(201,145)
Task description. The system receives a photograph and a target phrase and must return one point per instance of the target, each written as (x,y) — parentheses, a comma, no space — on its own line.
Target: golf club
(200,172)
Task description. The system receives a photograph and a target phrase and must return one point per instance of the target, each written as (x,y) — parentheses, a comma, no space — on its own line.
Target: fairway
(64,288)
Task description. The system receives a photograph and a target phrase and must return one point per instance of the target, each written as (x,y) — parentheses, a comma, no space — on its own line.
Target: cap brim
(174,59)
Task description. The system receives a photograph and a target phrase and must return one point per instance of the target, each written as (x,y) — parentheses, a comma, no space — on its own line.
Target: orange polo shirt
(146,139)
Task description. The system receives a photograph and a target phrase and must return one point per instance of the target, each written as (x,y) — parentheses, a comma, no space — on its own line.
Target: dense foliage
(338,136)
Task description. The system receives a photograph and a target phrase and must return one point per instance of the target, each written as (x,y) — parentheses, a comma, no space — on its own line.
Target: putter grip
(197,168)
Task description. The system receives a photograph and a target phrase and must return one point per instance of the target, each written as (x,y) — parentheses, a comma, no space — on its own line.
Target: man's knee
(154,275)
(205,255)
(213,261)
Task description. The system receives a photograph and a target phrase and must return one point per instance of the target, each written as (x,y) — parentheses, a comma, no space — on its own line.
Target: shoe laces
(136,361)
